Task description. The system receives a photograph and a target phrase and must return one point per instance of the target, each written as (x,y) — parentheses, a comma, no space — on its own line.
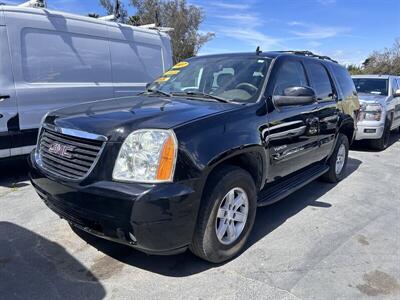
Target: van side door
(293,130)
(8,102)
(57,62)
(328,111)
(137,58)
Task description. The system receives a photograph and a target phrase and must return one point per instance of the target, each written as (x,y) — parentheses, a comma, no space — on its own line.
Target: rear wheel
(383,142)
(226,215)
(338,161)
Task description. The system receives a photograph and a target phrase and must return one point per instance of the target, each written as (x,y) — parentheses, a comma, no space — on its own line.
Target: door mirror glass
(297,95)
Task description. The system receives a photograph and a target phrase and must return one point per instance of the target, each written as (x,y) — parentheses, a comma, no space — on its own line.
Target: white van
(50,59)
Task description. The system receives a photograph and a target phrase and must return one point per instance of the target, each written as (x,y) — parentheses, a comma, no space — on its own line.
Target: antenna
(258,51)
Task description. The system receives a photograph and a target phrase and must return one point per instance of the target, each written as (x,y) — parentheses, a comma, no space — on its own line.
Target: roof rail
(309,54)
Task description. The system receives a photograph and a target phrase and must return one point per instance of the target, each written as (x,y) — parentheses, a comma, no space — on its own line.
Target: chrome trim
(80,134)
(76,133)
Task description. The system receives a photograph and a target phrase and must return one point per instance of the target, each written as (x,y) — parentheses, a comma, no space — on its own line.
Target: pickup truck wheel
(338,160)
(226,215)
(382,143)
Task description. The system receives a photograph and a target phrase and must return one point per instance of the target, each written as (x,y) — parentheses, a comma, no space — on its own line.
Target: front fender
(205,144)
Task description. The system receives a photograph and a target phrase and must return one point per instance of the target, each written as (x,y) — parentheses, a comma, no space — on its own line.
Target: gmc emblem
(61,150)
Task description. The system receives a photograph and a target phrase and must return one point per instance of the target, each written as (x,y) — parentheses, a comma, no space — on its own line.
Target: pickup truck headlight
(370,112)
(147,155)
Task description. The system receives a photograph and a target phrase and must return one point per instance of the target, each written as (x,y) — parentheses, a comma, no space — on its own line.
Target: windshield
(237,79)
(371,86)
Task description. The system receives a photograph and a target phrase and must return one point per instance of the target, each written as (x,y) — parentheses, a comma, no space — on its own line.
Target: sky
(346,30)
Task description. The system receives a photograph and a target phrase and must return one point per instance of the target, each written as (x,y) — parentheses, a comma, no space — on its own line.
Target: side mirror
(396,93)
(147,86)
(297,95)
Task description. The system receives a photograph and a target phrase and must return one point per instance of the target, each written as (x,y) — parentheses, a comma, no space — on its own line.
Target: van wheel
(338,160)
(382,143)
(226,215)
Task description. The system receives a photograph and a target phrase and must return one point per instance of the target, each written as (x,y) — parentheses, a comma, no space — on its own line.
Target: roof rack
(309,54)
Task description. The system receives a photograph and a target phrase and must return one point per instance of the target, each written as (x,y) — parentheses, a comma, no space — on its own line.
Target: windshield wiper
(154,91)
(204,95)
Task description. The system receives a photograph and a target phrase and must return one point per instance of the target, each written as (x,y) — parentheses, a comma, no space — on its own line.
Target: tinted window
(320,81)
(345,81)
(135,62)
(371,86)
(63,57)
(290,74)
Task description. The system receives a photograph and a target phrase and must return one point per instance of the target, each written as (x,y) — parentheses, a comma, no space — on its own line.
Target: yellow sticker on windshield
(171,72)
(180,65)
(162,79)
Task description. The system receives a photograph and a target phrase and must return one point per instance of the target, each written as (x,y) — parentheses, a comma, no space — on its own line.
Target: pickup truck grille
(68,156)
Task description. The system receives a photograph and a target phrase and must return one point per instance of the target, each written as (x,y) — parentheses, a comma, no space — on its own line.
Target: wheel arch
(347,127)
(252,159)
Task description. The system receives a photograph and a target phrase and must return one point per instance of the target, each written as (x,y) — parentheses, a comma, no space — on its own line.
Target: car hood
(117,118)
(363,97)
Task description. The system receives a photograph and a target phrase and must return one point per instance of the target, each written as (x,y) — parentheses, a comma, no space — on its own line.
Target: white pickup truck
(379,97)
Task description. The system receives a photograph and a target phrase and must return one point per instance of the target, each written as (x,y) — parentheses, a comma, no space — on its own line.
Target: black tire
(205,243)
(382,143)
(332,176)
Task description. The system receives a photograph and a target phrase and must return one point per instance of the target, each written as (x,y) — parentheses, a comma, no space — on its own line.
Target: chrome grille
(68,156)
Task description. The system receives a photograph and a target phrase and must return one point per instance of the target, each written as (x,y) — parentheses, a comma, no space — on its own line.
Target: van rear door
(57,62)
(8,104)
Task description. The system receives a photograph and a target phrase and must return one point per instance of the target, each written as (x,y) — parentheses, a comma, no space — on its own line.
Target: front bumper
(369,130)
(156,219)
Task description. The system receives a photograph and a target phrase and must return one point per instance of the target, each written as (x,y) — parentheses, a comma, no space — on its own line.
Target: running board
(275,192)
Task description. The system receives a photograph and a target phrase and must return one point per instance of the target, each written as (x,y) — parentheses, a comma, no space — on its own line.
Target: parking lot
(324,242)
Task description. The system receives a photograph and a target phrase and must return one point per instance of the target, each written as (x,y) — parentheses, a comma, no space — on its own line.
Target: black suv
(186,163)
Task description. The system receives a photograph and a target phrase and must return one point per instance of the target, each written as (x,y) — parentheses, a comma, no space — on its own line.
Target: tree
(354,69)
(183,18)
(384,62)
(117,9)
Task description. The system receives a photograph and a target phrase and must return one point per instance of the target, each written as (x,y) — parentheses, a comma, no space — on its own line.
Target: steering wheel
(248,87)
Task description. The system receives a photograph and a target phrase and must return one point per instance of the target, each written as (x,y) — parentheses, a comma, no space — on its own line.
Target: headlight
(371,112)
(147,155)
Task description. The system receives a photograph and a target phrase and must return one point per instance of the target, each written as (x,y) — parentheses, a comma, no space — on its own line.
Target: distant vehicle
(50,60)
(185,164)
(380,108)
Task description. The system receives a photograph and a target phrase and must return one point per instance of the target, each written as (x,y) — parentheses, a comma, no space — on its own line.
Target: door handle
(4,97)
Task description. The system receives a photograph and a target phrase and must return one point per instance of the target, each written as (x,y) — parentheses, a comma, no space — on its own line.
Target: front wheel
(338,161)
(226,215)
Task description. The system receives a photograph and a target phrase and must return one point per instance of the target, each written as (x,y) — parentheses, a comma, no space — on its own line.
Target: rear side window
(344,80)
(290,74)
(57,57)
(320,81)
(135,62)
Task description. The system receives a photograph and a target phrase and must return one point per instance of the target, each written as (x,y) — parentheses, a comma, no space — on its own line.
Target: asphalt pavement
(325,241)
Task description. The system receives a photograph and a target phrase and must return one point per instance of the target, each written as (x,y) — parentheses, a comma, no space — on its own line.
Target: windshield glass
(371,86)
(237,79)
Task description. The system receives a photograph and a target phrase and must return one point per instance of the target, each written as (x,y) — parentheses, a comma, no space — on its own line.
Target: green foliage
(184,18)
(354,69)
(110,8)
(383,62)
